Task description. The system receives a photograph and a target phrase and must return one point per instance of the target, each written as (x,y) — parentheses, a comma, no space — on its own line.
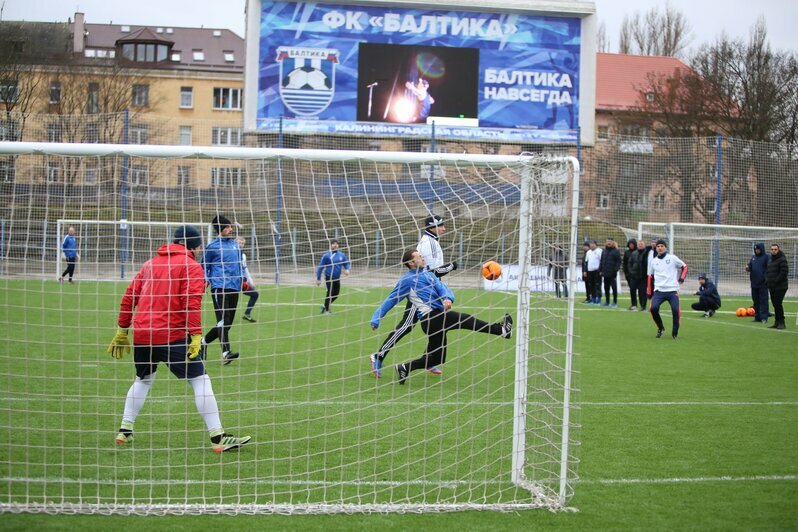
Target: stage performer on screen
(425,101)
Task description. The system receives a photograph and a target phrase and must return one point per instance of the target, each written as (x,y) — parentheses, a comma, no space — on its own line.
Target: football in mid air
(491,270)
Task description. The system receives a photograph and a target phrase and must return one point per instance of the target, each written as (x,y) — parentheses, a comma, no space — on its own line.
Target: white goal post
(496,431)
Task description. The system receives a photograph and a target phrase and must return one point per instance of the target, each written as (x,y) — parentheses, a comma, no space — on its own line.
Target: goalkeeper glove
(120,344)
(194,346)
(245,286)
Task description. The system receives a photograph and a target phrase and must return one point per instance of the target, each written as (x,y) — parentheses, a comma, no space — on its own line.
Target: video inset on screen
(408,84)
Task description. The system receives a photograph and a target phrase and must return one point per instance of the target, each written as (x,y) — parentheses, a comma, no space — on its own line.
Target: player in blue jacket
(332,264)
(69,249)
(433,301)
(225,274)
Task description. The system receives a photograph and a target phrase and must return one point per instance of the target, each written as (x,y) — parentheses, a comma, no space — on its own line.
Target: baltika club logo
(307,78)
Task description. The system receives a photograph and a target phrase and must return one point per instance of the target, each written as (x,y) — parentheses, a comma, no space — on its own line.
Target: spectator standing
(585,249)
(757,269)
(332,264)
(609,266)
(777,280)
(638,261)
(594,273)
(558,266)
(631,247)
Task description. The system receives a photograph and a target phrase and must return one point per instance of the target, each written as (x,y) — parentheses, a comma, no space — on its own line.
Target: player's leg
(642,296)
(335,290)
(607,282)
(460,320)
(656,300)
(673,299)
(761,305)
(217,295)
(633,293)
(253,296)
(434,325)
(146,360)
(777,298)
(328,284)
(229,305)
(402,329)
(614,289)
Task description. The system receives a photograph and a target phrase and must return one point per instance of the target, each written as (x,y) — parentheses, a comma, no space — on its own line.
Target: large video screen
(329,68)
(415,84)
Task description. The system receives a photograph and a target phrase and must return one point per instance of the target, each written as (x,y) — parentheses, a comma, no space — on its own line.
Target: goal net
(722,251)
(496,430)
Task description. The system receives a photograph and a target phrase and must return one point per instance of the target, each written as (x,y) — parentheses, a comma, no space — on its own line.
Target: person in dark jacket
(609,267)
(631,249)
(777,281)
(757,269)
(585,249)
(558,266)
(638,267)
(708,297)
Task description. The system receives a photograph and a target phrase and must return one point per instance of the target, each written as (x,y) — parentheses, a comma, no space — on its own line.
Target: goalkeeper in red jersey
(164,304)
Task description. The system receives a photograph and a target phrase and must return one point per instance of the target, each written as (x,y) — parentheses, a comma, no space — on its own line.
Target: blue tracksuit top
(222,264)
(331,265)
(422,288)
(70,247)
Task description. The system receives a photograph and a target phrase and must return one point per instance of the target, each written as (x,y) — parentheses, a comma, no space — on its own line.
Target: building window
(139,175)
(89,52)
(55,92)
(129,51)
(53,132)
(226,177)
(198,55)
(603,132)
(185,136)
(659,202)
(139,134)
(226,136)
(635,200)
(229,57)
(9,130)
(144,52)
(7,170)
(9,92)
(186,97)
(93,100)
(141,95)
(226,98)
(635,130)
(176,57)
(183,176)
(603,201)
(53,171)
(603,168)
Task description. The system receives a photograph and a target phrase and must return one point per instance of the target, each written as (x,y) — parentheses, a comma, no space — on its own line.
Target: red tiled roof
(619,78)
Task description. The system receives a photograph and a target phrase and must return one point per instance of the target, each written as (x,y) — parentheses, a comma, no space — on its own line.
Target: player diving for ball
(432,302)
(431,250)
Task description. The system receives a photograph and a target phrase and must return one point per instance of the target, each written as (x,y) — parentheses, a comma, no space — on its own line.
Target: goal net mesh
(497,430)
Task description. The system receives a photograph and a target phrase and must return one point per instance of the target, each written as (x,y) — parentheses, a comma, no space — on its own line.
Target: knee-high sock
(136,396)
(206,403)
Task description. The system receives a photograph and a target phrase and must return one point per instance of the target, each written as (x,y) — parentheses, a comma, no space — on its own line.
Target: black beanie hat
(189,236)
(220,222)
(433,221)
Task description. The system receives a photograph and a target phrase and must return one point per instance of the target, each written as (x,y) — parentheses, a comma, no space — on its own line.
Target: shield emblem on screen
(307,78)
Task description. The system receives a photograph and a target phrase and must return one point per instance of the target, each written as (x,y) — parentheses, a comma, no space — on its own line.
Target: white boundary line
(170,400)
(444,484)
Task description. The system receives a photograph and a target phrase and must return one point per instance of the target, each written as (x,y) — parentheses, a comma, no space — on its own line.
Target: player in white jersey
(666,273)
(430,249)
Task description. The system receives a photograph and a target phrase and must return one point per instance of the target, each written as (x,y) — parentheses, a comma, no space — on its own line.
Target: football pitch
(694,433)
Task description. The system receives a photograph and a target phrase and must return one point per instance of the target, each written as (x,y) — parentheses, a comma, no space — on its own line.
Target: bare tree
(602,41)
(655,32)
(746,91)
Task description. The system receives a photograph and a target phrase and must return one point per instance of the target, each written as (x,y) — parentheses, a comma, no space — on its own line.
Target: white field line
(404,402)
(445,484)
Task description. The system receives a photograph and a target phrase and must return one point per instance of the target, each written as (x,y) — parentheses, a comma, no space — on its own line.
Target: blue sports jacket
(331,265)
(222,264)
(70,247)
(422,288)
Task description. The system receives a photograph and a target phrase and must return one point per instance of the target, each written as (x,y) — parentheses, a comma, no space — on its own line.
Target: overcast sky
(708,18)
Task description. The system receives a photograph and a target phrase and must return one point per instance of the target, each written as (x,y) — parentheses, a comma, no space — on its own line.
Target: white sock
(136,396)
(206,403)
